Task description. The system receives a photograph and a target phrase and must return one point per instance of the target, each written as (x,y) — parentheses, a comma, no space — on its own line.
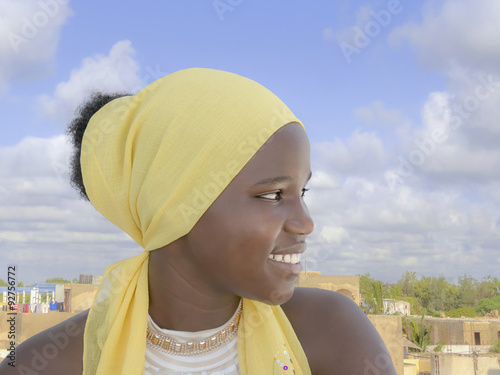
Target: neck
(180,299)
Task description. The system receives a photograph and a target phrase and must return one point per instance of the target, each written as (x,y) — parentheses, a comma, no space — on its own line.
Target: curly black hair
(75,131)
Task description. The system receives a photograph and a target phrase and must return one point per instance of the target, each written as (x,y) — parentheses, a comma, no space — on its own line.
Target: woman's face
(229,246)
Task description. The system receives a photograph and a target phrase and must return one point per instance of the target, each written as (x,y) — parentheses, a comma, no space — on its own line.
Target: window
(477,338)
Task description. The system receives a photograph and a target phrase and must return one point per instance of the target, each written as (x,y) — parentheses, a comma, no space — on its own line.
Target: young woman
(206,170)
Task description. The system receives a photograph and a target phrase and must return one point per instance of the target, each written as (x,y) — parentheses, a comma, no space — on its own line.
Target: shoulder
(57,350)
(336,334)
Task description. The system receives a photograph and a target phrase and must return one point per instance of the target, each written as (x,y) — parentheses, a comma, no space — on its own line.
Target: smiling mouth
(286,258)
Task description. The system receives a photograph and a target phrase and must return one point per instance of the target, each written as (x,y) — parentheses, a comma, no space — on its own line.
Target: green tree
(468,291)
(395,292)
(74,281)
(451,297)
(407,283)
(419,334)
(468,312)
(59,280)
(373,297)
(488,287)
(3,283)
(487,305)
(365,282)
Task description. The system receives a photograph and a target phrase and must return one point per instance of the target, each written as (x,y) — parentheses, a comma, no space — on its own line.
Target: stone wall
(390,329)
(346,285)
(454,331)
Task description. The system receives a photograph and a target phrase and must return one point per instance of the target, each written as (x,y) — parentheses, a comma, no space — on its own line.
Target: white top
(222,360)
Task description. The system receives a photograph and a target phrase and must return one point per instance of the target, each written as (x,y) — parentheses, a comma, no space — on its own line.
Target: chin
(279,296)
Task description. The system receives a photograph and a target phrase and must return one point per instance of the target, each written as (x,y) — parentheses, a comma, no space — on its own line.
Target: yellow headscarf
(152,164)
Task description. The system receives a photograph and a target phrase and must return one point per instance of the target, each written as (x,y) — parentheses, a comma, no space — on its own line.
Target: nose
(299,220)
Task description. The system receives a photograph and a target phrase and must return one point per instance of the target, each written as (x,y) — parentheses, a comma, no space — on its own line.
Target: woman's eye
(278,193)
(275,194)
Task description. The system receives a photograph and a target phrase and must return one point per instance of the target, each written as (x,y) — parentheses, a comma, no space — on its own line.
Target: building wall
(346,285)
(461,331)
(471,327)
(390,329)
(81,296)
(403,307)
(447,330)
(456,364)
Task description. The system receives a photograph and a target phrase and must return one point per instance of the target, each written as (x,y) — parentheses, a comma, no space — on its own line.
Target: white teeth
(287,258)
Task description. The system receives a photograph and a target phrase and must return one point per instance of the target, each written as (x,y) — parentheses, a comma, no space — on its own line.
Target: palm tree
(419,334)
(373,297)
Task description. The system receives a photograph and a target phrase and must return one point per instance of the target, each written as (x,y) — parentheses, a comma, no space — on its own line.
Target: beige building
(79,297)
(463,331)
(459,364)
(346,285)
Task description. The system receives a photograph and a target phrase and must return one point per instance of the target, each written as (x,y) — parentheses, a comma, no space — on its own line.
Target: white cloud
(29,36)
(334,234)
(447,209)
(460,39)
(446,147)
(362,226)
(362,153)
(117,72)
(44,226)
(458,31)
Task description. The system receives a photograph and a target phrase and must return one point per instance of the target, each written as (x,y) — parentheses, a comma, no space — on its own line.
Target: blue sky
(400,100)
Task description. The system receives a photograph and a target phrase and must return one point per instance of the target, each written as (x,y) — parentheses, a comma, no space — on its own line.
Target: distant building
(393,307)
(463,331)
(85,279)
(346,285)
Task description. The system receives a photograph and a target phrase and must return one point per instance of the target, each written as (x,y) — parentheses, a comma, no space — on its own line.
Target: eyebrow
(276,180)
